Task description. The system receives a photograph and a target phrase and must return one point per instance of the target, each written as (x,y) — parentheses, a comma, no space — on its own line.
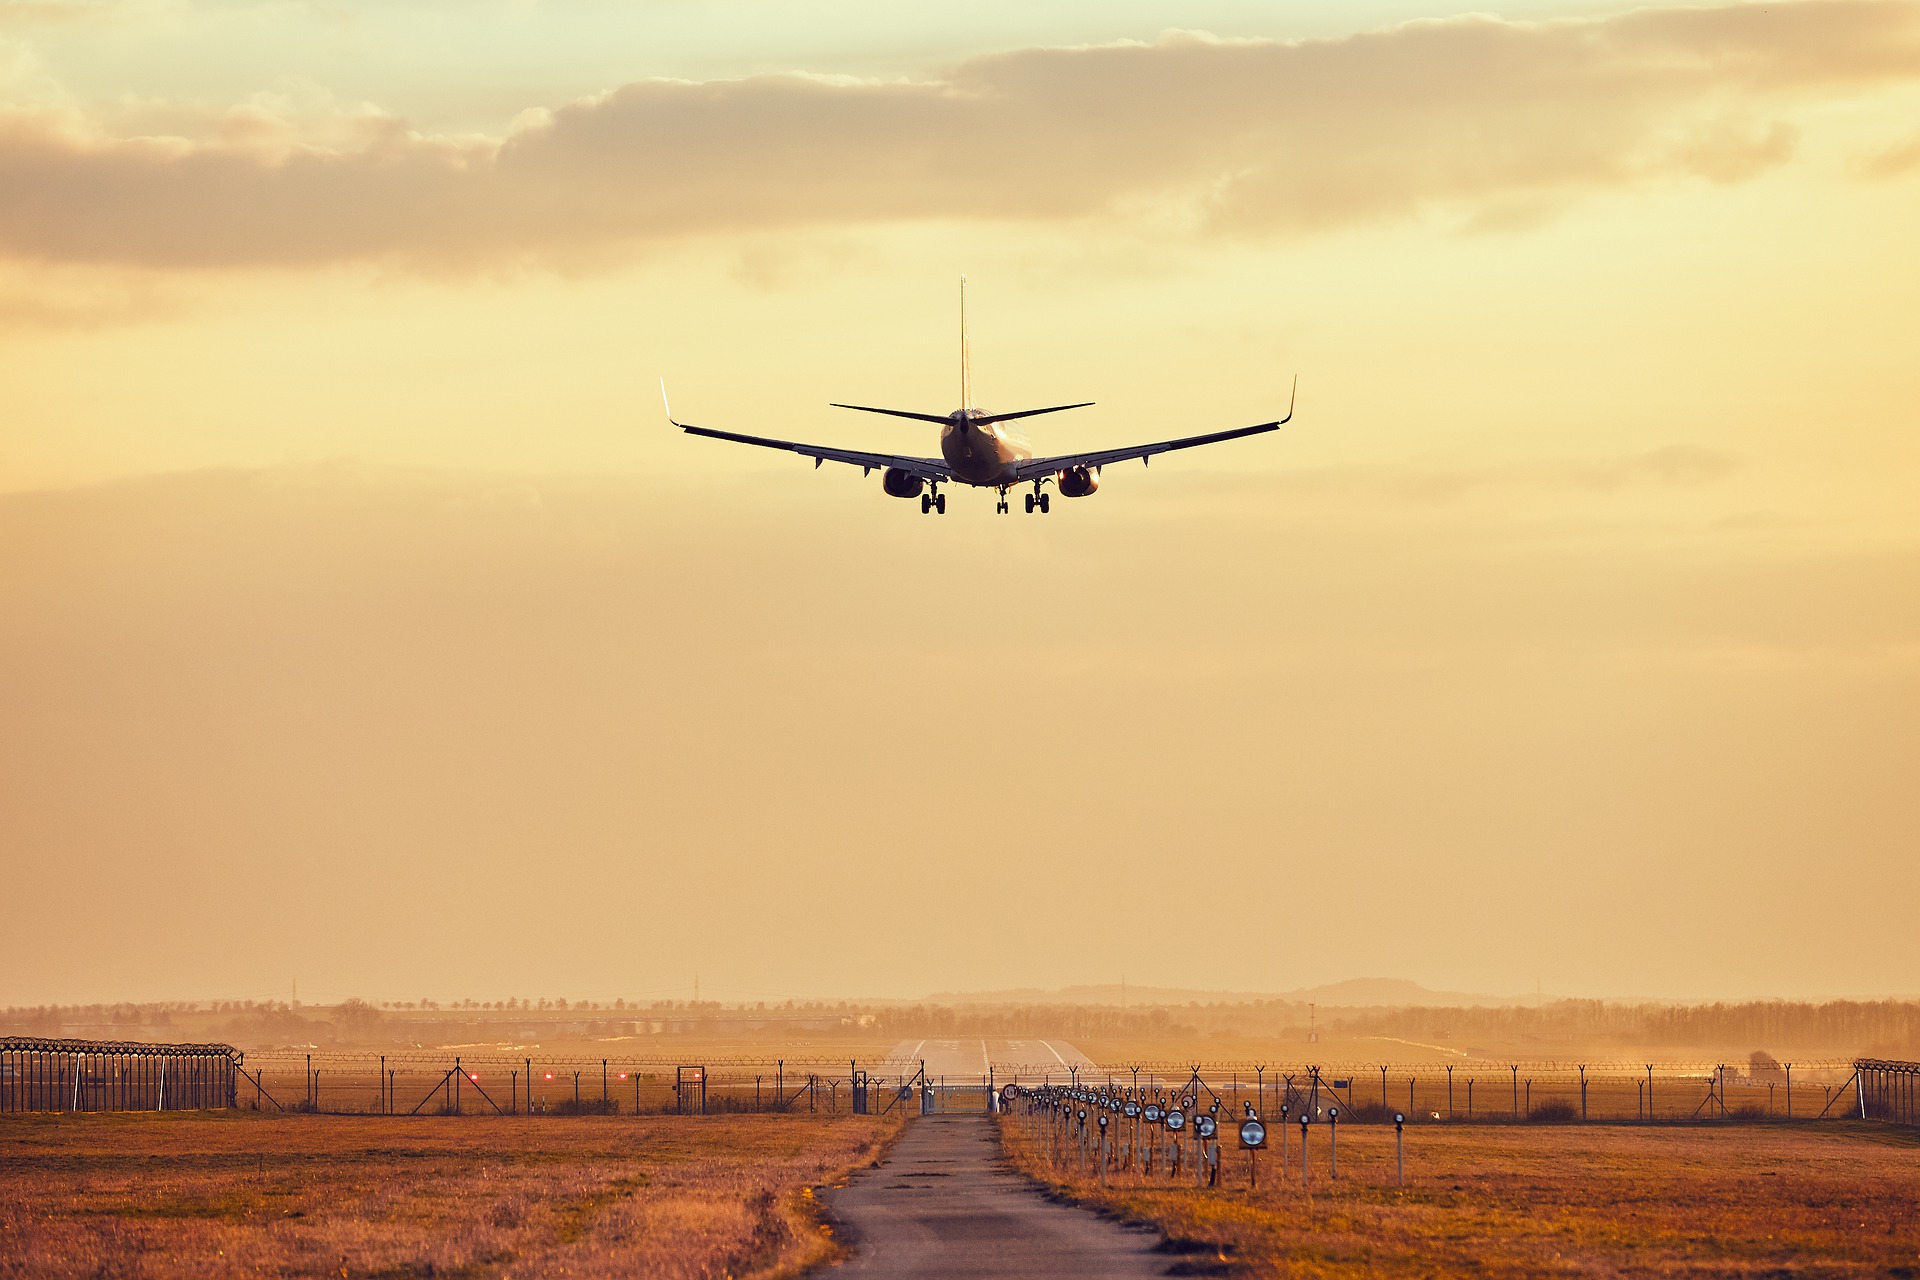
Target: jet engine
(1078,482)
(901,484)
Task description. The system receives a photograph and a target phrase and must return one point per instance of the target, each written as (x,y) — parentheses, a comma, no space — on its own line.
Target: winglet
(667,405)
(1291,397)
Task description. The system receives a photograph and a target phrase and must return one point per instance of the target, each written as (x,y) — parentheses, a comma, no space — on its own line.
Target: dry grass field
(240,1195)
(1498,1201)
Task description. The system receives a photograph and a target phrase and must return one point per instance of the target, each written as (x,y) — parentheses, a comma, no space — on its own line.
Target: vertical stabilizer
(966,372)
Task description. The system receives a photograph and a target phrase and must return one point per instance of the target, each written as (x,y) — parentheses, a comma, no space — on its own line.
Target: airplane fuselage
(982,454)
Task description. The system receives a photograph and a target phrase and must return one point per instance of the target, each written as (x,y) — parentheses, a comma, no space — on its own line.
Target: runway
(1006,1060)
(943,1207)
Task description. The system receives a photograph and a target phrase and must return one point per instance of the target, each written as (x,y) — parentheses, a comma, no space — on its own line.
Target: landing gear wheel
(1029,504)
(940,503)
(926,503)
(1045,504)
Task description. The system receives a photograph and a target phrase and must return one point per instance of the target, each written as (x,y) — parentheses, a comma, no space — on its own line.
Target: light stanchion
(1305,1120)
(1253,1136)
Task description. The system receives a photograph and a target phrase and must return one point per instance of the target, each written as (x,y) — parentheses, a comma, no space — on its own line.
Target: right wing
(924,468)
(1034,468)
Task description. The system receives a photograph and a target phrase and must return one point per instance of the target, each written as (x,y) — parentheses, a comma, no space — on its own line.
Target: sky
(363,624)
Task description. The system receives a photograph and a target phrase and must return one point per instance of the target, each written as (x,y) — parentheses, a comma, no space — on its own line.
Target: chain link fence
(1495,1092)
(68,1075)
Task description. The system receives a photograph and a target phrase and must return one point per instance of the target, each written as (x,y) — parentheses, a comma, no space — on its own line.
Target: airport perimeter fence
(1889,1091)
(71,1075)
(424,1082)
(1515,1092)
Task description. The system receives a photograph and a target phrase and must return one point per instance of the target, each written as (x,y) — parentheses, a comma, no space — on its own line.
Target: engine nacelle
(901,484)
(1077,482)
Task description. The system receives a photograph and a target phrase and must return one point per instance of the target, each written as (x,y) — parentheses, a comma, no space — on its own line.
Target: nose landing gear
(1002,509)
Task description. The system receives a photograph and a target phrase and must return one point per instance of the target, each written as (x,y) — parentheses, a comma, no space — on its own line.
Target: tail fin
(966,360)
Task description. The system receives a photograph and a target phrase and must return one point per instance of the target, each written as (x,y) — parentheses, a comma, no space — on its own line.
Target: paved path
(943,1206)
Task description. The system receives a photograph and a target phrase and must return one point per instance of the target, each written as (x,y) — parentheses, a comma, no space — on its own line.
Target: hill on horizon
(1353,993)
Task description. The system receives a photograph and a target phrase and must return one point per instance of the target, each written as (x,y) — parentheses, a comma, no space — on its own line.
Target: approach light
(1205,1126)
(1176,1120)
(1252,1133)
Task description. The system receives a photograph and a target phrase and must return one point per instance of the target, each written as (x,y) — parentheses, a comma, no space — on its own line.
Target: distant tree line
(1889,1028)
(1874,1026)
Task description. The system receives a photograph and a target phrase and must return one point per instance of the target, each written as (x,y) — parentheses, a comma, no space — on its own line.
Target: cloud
(1893,161)
(1486,120)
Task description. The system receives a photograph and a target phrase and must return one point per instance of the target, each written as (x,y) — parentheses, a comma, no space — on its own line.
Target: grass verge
(1831,1200)
(227,1195)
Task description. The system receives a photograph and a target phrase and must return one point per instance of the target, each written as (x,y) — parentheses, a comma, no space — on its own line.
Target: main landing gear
(935,501)
(1038,499)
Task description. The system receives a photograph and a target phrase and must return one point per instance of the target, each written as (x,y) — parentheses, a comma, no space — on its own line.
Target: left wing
(1034,468)
(924,468)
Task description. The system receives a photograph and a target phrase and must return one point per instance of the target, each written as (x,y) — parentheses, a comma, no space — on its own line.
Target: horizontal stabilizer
(1029,413)
(897,413)
(978,419)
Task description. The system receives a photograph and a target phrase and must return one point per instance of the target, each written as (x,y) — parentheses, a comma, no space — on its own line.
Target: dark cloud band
(1213,137)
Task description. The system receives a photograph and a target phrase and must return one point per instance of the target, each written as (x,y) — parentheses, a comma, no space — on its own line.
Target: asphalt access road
(943,1207)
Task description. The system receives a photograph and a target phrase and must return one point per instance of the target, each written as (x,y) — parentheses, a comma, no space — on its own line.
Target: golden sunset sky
(361,620)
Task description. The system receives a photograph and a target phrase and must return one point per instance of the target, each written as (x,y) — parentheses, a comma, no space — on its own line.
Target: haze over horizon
(362,622)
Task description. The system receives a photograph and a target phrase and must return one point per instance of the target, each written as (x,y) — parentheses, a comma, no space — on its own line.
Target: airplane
(976,449)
